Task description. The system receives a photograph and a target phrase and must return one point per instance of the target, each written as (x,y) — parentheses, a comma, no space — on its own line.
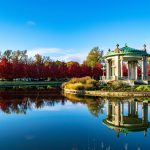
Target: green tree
(39,59)
(20,56)
(8,54)
(94,57)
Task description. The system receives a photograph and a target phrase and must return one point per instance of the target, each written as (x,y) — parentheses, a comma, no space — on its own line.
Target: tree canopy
(17,65)
(94,57)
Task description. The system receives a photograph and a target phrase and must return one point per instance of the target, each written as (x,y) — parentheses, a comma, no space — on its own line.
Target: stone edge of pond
(107,93)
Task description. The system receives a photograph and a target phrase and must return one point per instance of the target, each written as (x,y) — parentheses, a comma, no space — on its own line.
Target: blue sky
(69,29)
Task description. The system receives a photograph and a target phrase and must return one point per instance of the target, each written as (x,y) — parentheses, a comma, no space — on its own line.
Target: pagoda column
(132,70)
(121,67)
(117,68)
(108,70)
(136,109)
(144,68)
(132,73)
(122,112)
(136,72)
(117,114)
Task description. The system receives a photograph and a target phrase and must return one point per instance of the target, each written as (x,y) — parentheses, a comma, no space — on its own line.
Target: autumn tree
(17,65)
(86,70)
(97,71)
(148,70)
(94,57)
(74,69)
(5,69)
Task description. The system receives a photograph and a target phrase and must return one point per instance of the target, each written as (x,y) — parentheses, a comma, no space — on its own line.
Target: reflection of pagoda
(131,122)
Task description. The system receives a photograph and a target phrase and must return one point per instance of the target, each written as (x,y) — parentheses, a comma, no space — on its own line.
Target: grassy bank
(120,86)
(89,87)
(25,84)
(89,84)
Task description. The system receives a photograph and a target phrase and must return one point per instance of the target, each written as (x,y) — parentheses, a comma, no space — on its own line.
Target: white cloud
(43,51)
(31,23)
(79,57)
(59,54)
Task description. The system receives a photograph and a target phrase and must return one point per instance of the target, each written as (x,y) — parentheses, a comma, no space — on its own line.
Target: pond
(47,120)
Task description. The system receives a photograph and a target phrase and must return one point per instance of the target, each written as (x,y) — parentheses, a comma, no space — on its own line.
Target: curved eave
(125,129)
(131,54)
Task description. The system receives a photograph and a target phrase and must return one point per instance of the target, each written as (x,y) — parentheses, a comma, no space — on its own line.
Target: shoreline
(107,93)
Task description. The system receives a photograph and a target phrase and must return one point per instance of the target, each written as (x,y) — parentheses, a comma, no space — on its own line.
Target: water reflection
(95,104)
(129,122)
(38,128)
(20,101)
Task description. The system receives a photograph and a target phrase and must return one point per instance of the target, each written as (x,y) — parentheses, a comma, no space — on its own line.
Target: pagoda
(132,58)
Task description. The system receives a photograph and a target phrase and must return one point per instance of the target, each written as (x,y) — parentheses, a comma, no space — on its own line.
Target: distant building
(132,57)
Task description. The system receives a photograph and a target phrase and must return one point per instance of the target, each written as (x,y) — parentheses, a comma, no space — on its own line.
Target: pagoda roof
(126,50)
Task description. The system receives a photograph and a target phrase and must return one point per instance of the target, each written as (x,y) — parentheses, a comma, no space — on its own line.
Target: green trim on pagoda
(127,51)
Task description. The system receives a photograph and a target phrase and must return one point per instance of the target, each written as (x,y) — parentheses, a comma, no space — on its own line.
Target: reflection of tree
(14,107)
(21,101)
(95,105)
(39,104)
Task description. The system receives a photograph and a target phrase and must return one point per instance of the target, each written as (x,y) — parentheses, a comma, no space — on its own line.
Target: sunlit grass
(85,83)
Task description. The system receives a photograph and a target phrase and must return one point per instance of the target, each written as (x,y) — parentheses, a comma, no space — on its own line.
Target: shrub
(91,81)
(143,88)
(115,85)
(104,88)
(85,83)
(73,80)
(89,87)
(77,86)
(80,80)
(84,80)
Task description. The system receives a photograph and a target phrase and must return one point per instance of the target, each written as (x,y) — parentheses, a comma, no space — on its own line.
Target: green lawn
(29,84)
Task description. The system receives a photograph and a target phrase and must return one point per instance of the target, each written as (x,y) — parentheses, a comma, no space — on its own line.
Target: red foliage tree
(86,70)
(74,70)
(5,69)
(138,71)
(97,71)
(63,70)
(125,70)
(148,70)
(53,70)
(18,69)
